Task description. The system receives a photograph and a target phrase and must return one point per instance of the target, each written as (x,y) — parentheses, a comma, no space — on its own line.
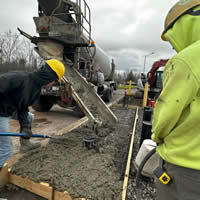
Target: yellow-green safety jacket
(176,120)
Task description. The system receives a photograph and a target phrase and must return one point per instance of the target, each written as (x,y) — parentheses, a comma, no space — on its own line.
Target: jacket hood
(184,32)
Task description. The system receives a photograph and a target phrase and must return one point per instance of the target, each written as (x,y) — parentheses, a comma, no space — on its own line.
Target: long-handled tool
(23,134)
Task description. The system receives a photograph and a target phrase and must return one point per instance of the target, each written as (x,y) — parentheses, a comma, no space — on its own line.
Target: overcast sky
(126,30)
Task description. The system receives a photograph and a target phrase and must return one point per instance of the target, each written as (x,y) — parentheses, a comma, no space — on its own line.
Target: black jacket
(19,90)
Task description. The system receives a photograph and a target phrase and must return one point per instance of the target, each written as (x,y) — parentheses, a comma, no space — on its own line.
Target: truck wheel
(42,104)
(107,96)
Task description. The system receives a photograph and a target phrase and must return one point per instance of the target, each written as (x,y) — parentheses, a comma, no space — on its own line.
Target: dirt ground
(131,100)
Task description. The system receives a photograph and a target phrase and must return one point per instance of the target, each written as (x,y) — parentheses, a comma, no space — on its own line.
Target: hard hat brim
(179,9)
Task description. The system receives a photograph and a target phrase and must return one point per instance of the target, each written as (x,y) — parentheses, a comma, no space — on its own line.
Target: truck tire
(42,104)
(107,96)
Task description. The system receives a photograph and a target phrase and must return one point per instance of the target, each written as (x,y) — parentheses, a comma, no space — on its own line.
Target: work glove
(27,131)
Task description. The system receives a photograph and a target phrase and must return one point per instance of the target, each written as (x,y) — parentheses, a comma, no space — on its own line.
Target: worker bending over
(176,121)
(18,91)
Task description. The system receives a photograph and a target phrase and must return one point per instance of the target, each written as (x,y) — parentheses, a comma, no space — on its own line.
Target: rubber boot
(27,145)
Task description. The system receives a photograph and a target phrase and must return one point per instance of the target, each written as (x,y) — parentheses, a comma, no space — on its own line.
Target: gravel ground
(146,190)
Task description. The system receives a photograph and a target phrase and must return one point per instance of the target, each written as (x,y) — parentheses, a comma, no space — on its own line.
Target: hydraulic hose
(140,168)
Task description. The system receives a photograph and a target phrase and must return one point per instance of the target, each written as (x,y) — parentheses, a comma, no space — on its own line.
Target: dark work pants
(185,184)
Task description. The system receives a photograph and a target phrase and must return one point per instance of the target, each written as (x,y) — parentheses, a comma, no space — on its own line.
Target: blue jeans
(5,142)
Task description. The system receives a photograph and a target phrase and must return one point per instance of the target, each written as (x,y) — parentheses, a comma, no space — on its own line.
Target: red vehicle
(154,77)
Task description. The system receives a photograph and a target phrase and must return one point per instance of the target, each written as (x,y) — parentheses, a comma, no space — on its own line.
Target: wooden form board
(129,106)
(126,177)
(40,189)
(72,126)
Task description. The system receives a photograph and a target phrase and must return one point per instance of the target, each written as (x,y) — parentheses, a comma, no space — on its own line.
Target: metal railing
(86,19)
(80,16)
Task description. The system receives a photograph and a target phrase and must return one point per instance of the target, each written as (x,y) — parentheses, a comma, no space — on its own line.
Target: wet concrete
(96,174)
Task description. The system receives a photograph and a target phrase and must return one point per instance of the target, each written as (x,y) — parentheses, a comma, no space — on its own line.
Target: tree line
(17,53)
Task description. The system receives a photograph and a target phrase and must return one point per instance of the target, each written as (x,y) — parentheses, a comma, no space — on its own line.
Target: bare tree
(17,53)
(17,50)
(10,46)
(29,51)
(2,41)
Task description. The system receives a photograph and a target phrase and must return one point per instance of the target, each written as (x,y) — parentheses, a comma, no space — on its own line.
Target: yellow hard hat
(57,67)
(176,11)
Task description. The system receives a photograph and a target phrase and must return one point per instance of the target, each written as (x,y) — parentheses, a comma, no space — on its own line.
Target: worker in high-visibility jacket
(18,91)
(176,120)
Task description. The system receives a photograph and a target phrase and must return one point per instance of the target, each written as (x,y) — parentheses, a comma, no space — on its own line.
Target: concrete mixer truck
(100,73)
(64,28)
